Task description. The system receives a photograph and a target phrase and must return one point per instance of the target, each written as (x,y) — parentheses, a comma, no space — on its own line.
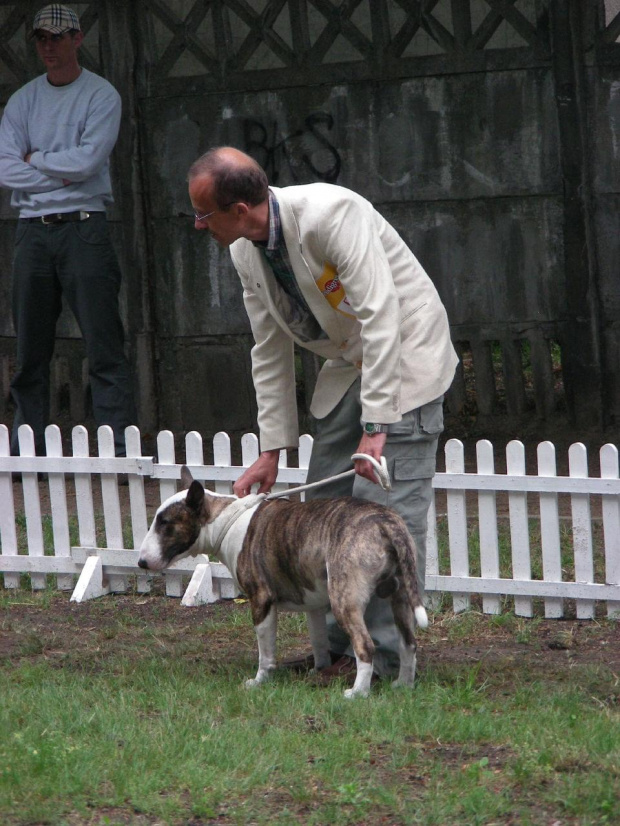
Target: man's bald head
(236,177)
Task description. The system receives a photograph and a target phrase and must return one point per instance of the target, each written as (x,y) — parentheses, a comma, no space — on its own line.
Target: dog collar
(230,515)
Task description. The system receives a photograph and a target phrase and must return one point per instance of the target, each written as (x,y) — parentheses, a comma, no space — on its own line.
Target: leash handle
(380,468)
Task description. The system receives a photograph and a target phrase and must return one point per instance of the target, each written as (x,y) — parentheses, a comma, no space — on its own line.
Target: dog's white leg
(406,674)
(361,687)
(317,629)
(266,636)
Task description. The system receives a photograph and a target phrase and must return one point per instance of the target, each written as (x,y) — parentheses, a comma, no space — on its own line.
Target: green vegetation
(131,710)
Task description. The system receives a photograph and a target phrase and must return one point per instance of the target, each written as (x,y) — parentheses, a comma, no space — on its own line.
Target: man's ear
(195,497)
(241,209)
(186,478)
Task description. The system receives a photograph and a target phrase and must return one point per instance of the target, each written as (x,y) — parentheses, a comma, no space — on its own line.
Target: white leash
(380,468)
(240,506)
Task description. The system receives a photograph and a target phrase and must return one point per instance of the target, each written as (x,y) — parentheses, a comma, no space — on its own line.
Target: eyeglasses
(204,217)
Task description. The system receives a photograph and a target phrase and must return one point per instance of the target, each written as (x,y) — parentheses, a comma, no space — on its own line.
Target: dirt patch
(51,627)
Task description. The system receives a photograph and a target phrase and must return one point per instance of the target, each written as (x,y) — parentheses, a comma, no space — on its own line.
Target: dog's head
(178,525)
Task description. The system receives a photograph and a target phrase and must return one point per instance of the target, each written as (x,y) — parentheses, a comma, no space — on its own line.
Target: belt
(60,217)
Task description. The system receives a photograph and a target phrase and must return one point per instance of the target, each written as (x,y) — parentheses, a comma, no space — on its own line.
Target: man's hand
(27,157)
(263,472)
(371,445)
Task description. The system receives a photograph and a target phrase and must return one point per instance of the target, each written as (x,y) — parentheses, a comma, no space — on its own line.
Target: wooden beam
(581,347)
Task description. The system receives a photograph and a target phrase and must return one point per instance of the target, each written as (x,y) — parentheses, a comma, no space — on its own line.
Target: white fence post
(137,502)
(487,513)
(194,452)
(222,458)
(32,505)
(519,526)
(165,456)
(457,523)
(84,492)
(582,527)
(282,464)
(58,504)
(111,504)
(249,449)
(8,526)
(550,530)
(305,451)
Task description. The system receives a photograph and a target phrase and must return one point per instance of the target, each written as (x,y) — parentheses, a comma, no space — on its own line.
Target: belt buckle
(54,219)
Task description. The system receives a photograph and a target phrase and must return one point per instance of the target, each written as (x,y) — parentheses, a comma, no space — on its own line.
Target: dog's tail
(404,547)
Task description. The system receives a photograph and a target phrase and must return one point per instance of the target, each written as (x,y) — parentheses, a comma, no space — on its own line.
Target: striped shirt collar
(275,225)
(274,241)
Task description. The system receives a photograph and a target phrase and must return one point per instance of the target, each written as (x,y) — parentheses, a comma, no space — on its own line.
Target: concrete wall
(486,133)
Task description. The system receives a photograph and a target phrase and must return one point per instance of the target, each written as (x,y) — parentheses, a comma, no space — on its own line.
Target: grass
(132,719)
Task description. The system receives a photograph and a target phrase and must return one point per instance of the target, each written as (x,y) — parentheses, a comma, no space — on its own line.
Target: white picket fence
(560,505)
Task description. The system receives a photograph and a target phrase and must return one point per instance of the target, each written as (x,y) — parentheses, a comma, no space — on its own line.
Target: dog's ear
(186,478)
(195,497)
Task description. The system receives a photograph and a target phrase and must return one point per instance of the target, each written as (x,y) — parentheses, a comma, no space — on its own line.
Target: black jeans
(75,260)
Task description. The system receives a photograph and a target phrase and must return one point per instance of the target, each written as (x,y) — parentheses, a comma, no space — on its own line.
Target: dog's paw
(252,683)
(352,693)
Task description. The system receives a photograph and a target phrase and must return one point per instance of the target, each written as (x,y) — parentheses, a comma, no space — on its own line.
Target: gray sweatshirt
(70,131)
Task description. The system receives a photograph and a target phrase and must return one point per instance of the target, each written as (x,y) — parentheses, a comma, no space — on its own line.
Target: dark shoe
(301,665)
(343,669)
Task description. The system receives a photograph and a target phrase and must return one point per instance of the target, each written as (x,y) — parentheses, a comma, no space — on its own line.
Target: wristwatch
(371,428)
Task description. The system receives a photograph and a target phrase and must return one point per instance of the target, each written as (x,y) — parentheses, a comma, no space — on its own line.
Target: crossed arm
(24,168)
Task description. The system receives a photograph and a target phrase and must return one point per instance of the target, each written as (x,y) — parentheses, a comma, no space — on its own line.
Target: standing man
(321,268)
(56,136)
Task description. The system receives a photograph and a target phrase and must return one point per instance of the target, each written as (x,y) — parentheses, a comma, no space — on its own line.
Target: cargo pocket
(431,417)
(415,467)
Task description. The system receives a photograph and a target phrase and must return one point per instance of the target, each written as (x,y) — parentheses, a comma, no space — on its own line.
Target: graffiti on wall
(303,155)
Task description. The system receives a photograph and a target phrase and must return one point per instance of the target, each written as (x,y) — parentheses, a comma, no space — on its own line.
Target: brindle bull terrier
(300,556)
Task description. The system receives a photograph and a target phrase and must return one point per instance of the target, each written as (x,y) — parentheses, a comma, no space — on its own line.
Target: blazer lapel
(327,318)
(265,286)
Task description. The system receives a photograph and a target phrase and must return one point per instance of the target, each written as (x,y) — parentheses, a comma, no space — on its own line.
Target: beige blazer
(379,310)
